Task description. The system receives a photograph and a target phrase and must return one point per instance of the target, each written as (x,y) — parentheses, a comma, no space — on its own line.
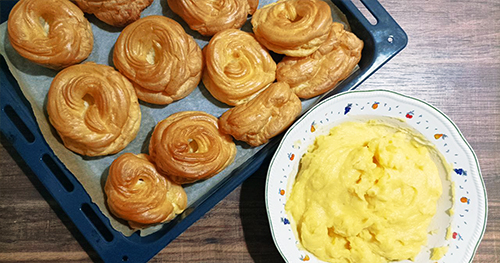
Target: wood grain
(452,61)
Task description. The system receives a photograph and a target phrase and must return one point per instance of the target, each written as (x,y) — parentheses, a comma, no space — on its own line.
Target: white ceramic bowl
(466,190)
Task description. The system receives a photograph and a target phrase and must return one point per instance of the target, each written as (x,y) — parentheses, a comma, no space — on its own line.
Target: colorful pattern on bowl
(468,222)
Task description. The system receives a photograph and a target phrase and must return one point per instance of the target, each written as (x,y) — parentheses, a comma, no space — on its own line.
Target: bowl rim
(392,94)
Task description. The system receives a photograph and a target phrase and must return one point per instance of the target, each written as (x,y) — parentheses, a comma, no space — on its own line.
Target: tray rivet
(390,39)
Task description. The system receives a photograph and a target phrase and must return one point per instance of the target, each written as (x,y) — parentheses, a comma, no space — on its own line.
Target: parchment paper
(35,81)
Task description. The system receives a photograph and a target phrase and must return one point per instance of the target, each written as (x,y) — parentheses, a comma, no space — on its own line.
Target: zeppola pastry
(136,192)
(188,146)
(94,109)
(292,27)
(321,71)
(209,17)
(237,67)
(51,33)
(117,13)
(264,117)
(159,58)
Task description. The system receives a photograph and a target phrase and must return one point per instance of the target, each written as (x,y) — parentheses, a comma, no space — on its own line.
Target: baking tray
(382,41)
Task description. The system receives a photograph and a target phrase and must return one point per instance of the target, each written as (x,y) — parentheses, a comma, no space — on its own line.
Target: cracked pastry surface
(318,73)
(211,16)
(292,27)
(118,13)
(137,193)
(52,33)
(188,146)
(159,58)
(94,109)
(264,117)
(237,67)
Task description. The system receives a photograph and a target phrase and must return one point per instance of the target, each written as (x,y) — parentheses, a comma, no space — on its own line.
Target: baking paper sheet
(35,80)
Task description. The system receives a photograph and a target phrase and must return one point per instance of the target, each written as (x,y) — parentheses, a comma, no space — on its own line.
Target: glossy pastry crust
(51,33)
(237,67)
(118,13)
(188,146)
(159,58)
(137,193)
(211,16)
(319,73)
(94,109)
(292,27)
(264,117)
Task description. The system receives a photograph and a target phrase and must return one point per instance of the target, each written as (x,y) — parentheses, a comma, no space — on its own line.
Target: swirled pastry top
(211,16)
(51,33)
(136,192)
(264,117)
(117,13)
(321,71)
(162,61)
(292,27)
(237,67)
(94,109)
(188,146)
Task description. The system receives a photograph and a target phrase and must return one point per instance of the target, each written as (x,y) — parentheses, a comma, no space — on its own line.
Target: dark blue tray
(382,41)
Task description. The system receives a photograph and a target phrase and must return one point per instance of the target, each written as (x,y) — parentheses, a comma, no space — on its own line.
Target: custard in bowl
(373,176)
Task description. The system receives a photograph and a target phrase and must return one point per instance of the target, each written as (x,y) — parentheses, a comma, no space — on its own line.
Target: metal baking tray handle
(383,40)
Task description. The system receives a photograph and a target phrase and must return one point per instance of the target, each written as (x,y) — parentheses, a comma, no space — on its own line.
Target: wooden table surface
(452,61)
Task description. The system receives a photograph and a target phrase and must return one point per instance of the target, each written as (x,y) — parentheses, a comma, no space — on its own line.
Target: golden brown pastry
(237,67)
(159,58)
(94,109)
(211,16)
(293,27)
(116,13)
(51,33)
(188,146)
(137,193)
(321,71)
(264,117)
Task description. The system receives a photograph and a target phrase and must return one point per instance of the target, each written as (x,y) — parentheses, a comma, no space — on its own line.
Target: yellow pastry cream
(366,192)
(438,252)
